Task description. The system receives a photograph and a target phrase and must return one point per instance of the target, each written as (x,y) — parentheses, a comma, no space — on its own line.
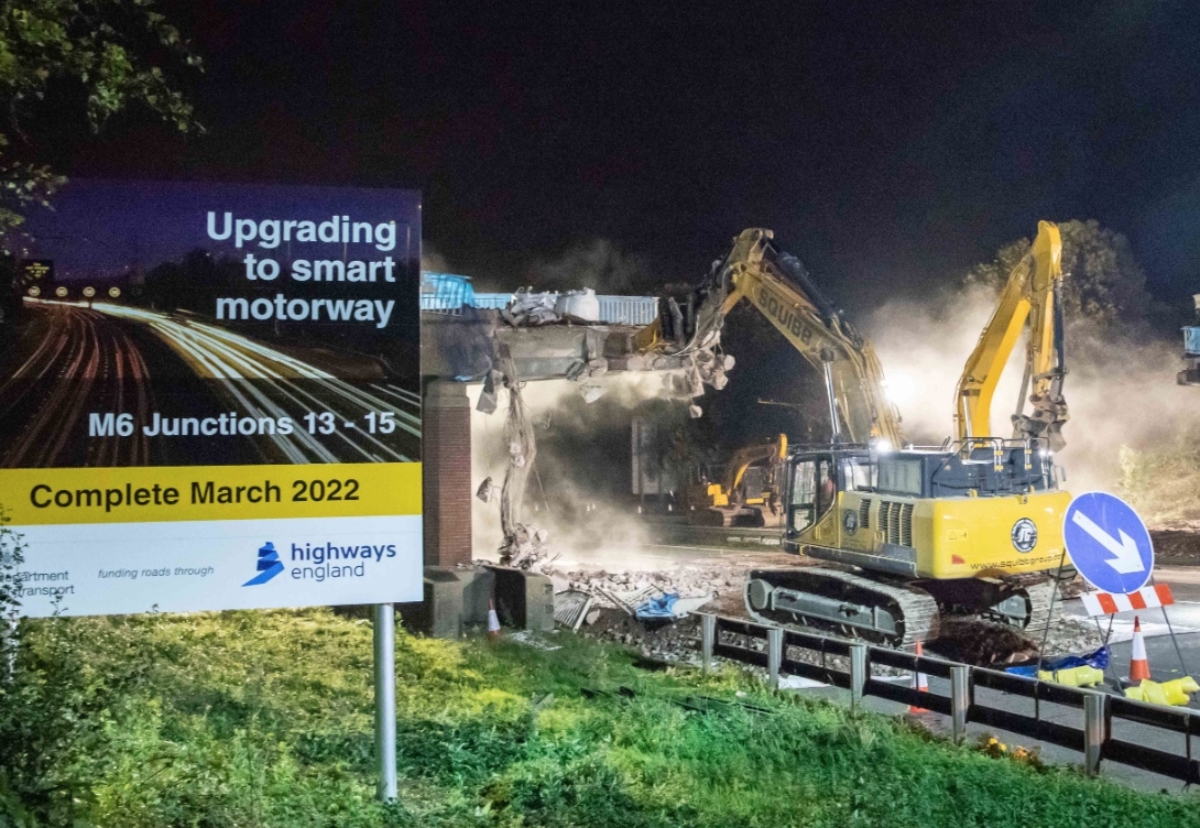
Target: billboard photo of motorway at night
(165,324)
(209,398)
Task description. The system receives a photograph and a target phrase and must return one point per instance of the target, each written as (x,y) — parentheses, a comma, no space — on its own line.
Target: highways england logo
(269,565)
(1024,535)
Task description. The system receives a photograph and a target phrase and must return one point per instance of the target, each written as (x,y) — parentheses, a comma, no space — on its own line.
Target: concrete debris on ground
(626,591)
(613,598)
(987,644)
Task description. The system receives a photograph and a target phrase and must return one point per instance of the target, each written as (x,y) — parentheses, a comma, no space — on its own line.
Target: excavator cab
(816,480)
(812,489)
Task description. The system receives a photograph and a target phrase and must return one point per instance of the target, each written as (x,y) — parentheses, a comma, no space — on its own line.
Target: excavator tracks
(891,613)
(1040,596)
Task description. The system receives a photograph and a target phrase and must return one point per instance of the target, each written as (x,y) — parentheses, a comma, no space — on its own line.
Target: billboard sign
(217,406)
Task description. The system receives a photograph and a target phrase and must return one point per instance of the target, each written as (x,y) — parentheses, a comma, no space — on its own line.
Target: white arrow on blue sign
(1108,543)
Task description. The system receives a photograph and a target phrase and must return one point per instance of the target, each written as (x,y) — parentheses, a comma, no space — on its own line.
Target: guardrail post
(1093,731)
(858,672)
(708,639)
(960,700)
(774,655)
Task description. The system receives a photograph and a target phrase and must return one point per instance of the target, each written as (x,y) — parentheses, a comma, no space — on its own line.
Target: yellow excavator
(968,528)
(751,483)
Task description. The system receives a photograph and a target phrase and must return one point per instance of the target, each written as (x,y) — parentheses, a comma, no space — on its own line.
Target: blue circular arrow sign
(1108,543)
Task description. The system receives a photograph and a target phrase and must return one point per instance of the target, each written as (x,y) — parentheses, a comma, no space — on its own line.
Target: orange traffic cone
(493,621)
(1139,665)
(920,682)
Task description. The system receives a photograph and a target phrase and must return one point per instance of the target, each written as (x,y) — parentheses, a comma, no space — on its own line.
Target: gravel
(720,581)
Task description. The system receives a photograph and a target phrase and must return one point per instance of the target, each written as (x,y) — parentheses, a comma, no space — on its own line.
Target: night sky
(890,144)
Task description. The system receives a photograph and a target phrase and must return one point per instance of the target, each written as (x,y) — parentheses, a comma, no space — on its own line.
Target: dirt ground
(721,579)
(1177,543)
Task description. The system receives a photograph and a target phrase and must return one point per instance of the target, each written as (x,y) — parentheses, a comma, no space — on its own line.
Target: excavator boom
(776,283)
(776,451)
(1029,300)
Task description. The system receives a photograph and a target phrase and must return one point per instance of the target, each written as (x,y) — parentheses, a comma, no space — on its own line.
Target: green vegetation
(264,718)
(1162,482)
(95,58)
(1105,286)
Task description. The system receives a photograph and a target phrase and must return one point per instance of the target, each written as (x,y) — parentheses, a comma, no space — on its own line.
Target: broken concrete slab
(465,348)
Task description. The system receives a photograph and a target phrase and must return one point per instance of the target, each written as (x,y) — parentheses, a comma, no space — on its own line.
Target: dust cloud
(580,491)
(1120,388)
(581,488)
(598,264)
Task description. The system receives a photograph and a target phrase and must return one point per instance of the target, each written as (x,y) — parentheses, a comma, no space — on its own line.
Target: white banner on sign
(213,565)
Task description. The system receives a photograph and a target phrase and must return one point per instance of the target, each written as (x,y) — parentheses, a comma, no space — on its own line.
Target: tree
(1104,283)
(110,51)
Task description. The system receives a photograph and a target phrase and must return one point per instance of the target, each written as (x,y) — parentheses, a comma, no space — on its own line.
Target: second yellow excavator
(908,534)
(752,483)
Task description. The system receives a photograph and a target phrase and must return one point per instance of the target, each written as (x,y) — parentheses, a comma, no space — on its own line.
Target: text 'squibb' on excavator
(910,535)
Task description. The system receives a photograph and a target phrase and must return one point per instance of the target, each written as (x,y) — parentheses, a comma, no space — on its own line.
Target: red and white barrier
(1104,603)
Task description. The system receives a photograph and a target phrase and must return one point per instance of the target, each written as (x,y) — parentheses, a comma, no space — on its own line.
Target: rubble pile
(530,308)
(986,644)
(687,581)
(613,600)
(604,606)
(526,548)
(677,642)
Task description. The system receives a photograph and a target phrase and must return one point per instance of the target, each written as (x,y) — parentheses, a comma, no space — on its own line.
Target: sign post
(213,402)
(1108,543)
(385,698)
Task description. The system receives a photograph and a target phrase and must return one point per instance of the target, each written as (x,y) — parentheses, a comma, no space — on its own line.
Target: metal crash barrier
(1100,711)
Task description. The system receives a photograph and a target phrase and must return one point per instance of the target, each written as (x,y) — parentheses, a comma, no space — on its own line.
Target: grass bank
(265,718)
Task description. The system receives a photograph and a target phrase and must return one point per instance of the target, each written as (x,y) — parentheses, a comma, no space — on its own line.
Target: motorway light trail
(260,380)
(45,396)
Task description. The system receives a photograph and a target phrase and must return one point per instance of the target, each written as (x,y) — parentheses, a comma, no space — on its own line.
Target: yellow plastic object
(1187,684)
(1074,677)
(1174,692)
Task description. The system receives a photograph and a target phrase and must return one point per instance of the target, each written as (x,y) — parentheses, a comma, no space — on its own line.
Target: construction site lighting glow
(900,389)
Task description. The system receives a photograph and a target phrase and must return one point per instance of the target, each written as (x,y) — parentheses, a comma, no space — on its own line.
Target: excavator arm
(776,283)
(1029,302)
(748,456)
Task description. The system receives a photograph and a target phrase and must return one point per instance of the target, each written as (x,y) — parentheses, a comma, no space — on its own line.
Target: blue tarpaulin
(1098,659)
(660,607)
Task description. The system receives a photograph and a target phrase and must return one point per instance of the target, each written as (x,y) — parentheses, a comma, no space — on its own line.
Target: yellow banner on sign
(179,493)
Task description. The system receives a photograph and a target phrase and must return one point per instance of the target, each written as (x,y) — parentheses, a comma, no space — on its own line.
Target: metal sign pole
(385,698)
